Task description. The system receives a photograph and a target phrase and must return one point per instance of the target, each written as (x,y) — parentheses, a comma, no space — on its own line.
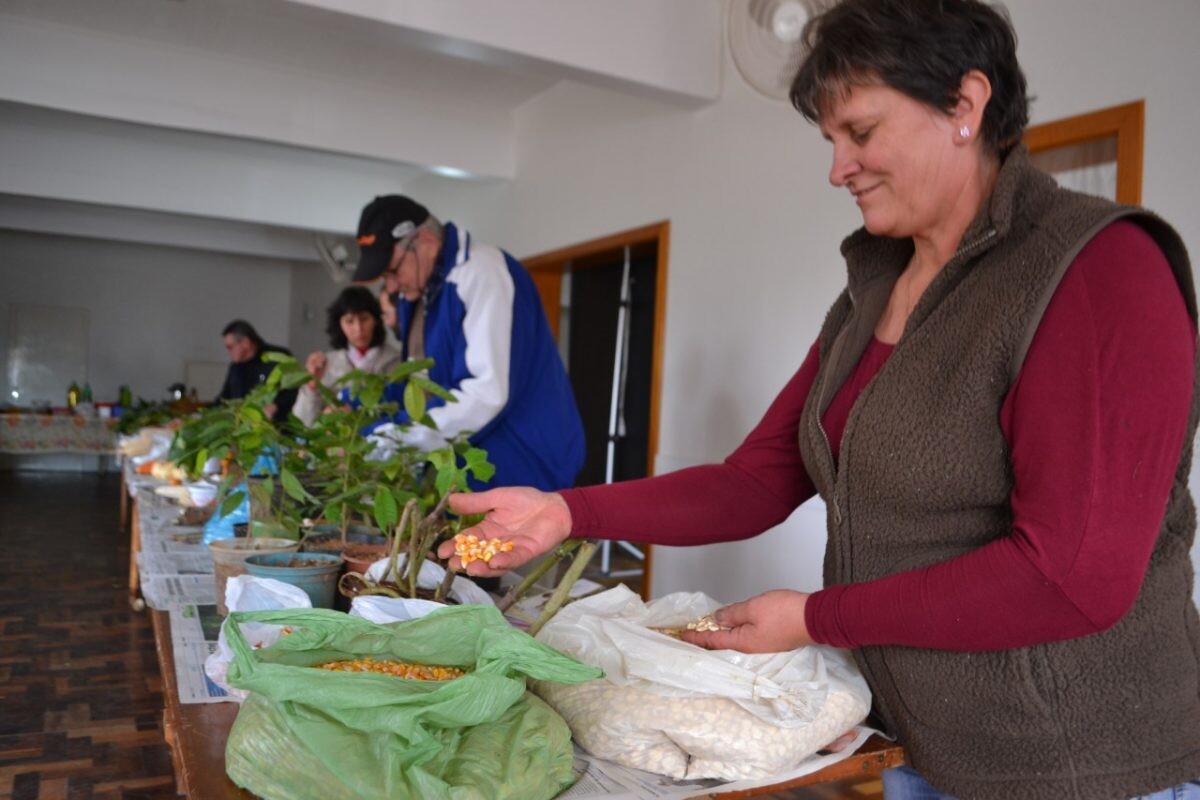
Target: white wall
(312,292)
(151,308)
(755,227)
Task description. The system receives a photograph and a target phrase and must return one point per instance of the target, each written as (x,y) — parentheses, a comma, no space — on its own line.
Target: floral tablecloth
(56,433)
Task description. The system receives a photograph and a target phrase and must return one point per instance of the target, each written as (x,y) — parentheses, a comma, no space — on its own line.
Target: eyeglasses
(410,246)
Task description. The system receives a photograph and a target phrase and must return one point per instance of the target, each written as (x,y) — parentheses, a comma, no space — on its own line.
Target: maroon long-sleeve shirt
(1095,425)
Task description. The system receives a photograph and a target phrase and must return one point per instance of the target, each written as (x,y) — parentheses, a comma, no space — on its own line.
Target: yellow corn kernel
(469,547)
(398,669)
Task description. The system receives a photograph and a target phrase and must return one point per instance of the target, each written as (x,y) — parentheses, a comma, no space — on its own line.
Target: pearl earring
(964,132)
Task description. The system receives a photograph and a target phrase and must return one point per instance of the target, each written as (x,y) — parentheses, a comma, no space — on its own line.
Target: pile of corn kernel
(398,669)
(706,623)
(469,547)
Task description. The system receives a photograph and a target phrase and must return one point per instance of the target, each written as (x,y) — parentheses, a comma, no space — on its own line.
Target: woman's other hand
(772,622)
(315,364)
(534,521)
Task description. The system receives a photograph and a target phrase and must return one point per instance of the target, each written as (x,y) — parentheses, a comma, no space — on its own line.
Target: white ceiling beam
(55,155)
(65,219)
(667,49)
(302,82)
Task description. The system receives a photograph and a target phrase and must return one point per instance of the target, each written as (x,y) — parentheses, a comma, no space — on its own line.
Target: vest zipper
(833,493)
(966,248)
(833,497)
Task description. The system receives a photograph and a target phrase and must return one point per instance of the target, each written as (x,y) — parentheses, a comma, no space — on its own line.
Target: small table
(32,434)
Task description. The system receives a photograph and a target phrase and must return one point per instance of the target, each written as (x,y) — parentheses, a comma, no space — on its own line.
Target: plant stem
(396,536)
(444,587)
(414,543)
(582,556)
(424,542)
(517,592)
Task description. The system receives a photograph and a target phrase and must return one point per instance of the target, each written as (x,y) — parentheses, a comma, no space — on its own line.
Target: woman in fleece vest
(998,413)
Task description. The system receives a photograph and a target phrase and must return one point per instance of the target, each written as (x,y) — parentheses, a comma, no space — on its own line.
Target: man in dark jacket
(248,369)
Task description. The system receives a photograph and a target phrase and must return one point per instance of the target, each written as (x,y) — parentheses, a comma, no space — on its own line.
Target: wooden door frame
(1125,122)
(547,270)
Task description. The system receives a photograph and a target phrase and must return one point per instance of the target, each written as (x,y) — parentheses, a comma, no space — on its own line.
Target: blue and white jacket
(492,348)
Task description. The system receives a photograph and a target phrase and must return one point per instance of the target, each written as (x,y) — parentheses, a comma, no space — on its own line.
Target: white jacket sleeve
(486,291)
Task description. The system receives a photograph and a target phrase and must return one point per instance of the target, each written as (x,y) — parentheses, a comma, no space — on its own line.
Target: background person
(354,322)
(474,310)
(247,368)
(998,414)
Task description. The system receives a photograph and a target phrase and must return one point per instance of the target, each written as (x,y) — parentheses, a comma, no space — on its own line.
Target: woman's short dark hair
(921,48)
(353,299)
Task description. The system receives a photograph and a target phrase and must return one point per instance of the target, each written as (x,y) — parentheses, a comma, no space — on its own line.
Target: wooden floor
(80,706)
(80,695)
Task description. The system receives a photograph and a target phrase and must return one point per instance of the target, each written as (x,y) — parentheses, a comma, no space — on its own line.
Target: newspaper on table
(194,630)
(166,592)
(174,568)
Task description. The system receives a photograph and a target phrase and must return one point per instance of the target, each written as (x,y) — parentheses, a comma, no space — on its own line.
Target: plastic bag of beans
(431,709)
(670,707)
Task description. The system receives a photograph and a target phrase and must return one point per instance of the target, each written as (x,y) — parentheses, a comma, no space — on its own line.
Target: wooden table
(196,734)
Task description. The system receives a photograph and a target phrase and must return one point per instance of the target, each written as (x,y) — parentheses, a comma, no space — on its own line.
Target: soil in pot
(328,538)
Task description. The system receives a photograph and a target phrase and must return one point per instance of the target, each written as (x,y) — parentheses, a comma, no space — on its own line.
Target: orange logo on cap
(366,241)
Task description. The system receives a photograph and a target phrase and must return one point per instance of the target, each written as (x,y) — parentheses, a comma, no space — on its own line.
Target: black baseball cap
(386,220)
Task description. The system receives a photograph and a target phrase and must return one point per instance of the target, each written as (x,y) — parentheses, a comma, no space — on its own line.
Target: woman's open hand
(534,521)
(772,622)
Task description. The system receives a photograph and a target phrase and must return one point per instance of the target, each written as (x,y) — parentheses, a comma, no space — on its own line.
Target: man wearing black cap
(474,310)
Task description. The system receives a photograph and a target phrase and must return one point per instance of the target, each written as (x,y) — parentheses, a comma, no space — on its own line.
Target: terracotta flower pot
(229,559)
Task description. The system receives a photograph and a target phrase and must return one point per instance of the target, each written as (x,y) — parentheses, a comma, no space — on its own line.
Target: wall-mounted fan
(339,255)
(764,39)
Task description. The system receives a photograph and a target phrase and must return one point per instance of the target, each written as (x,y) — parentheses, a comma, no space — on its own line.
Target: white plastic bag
(382,610)
(671,707)
(148,444)
(249,593)
(430,577)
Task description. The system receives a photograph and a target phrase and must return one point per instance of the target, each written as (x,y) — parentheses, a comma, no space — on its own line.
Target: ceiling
(247,125)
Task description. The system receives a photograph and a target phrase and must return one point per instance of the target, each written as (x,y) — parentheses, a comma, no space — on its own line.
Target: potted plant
(259,459)
(345,471)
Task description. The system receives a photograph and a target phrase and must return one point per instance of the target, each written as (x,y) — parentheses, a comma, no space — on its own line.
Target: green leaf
(414,401)
(201,459)
(216,429)
(478,465)
(408,368)
(295,380)
(232,502)
(369,396)
(433,388)
(292,486)
(386,512)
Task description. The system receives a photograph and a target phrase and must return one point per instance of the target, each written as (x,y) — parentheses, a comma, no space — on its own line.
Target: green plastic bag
(312,733)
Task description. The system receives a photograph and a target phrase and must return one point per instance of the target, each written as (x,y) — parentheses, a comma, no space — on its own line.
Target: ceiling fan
(765,41)
(338,254)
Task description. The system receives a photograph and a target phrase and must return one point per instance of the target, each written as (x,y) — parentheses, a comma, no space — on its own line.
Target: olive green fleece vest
(924,475)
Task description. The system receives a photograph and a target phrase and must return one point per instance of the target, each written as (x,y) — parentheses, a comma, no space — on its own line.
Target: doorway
(581,290)
(1099,152)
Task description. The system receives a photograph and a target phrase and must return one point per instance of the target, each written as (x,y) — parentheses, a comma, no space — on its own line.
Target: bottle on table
(72,395)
